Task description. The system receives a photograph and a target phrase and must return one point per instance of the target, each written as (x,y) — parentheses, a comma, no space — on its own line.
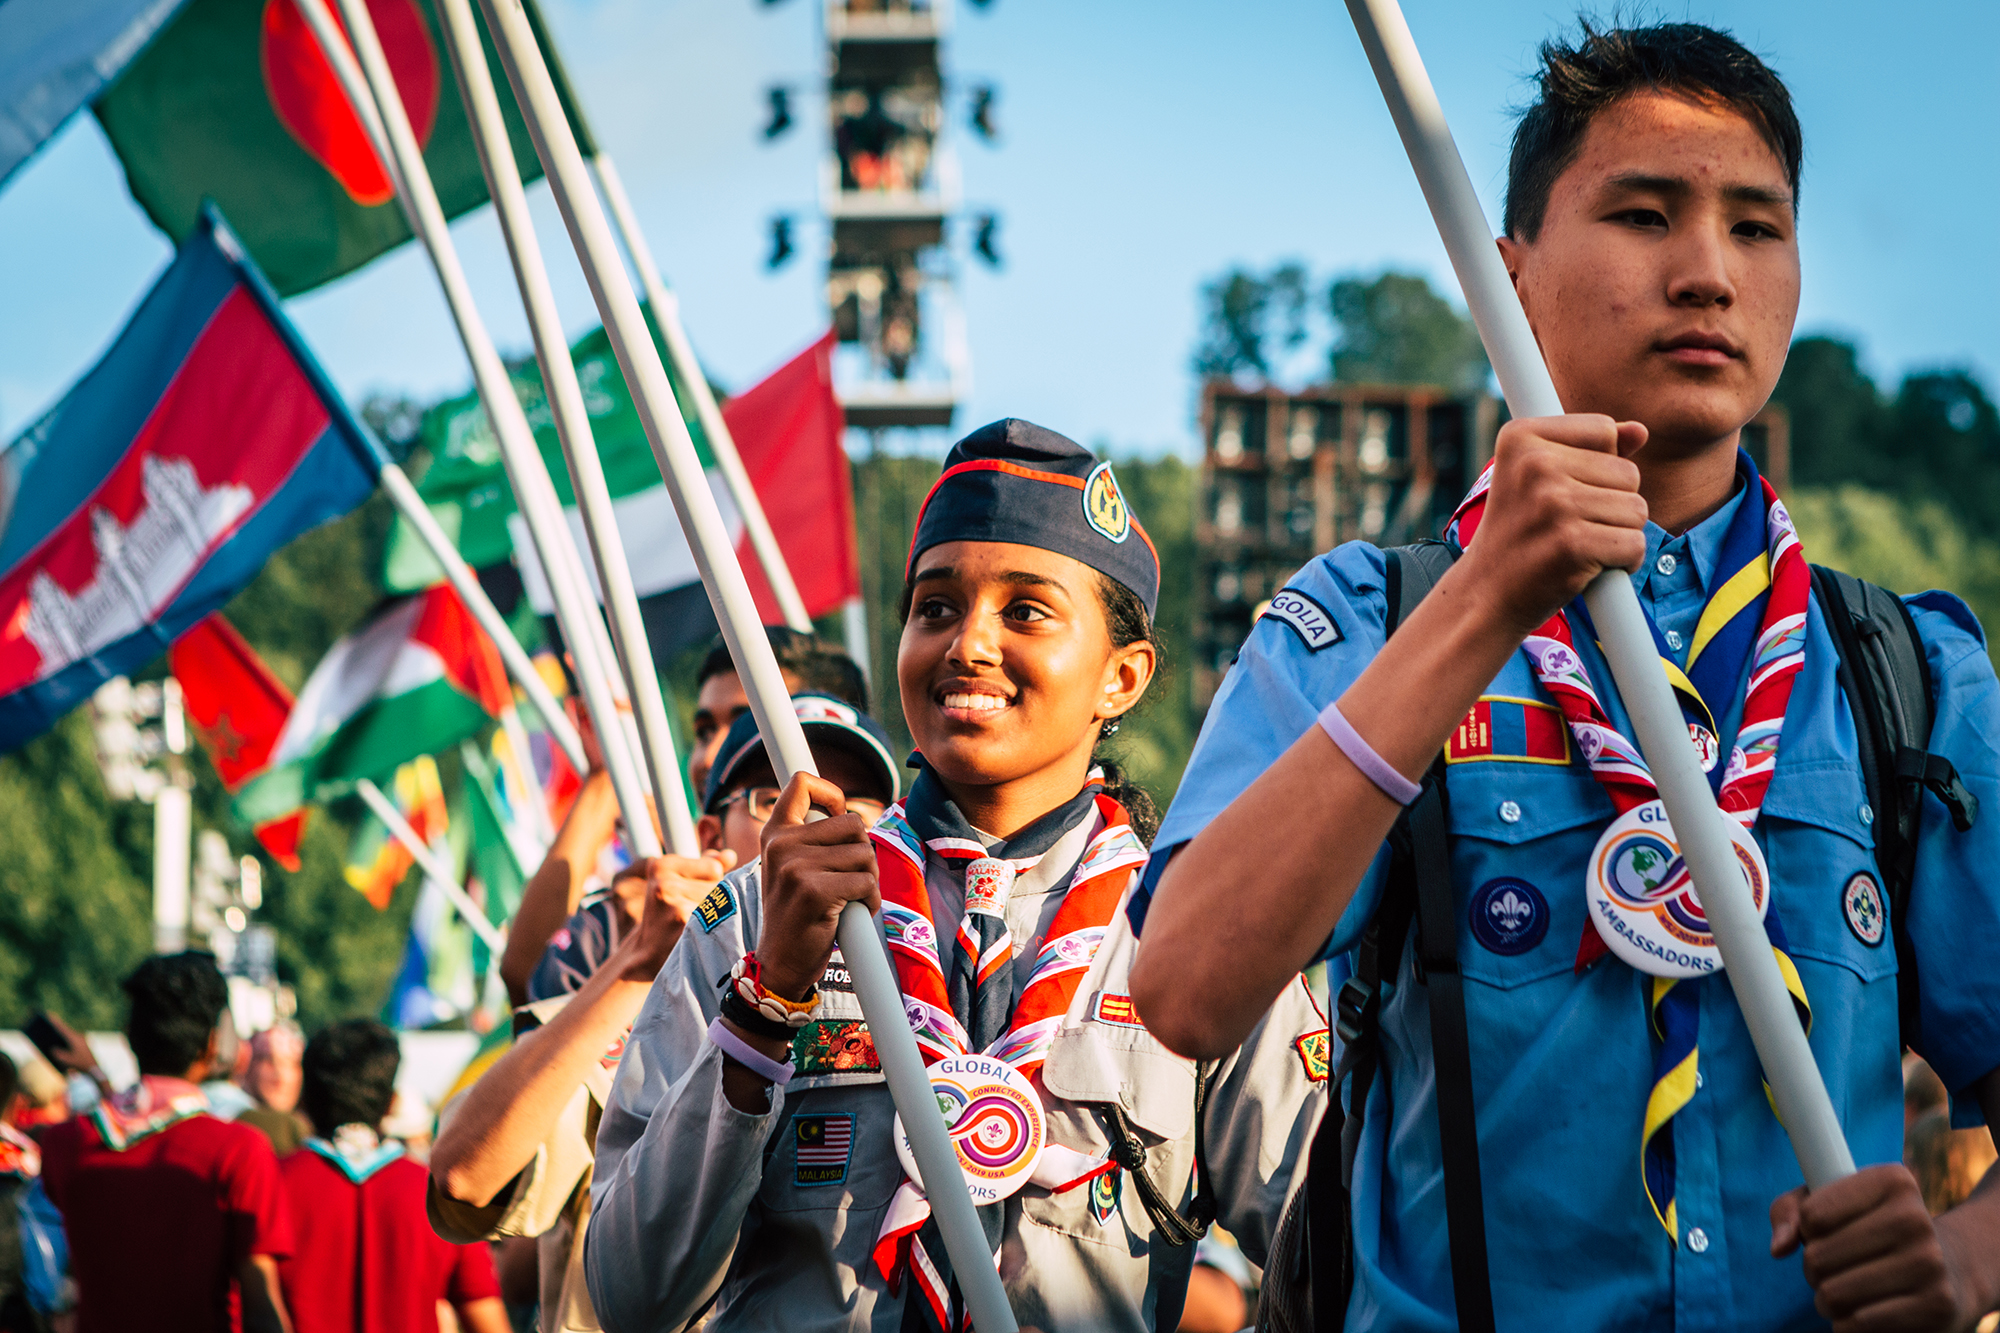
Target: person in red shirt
(176,1219)
(367,1260)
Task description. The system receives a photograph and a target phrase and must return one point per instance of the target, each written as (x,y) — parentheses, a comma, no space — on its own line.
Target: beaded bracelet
(747,977)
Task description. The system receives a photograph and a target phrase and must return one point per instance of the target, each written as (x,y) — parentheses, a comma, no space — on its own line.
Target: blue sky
(1146,147)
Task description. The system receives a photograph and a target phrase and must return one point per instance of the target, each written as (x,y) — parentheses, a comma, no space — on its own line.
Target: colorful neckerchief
(1755,619)
(927,822)
(154,1103)
(357,1150)
(19,1157)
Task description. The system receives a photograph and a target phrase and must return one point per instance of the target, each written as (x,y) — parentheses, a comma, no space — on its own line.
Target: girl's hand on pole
(1564,506)
(1873,1254)
(811,871)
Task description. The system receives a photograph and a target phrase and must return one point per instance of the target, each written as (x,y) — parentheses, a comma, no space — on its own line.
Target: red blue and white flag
(205,439)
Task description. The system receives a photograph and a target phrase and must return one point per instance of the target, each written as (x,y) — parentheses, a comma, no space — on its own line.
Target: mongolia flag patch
(1522,731)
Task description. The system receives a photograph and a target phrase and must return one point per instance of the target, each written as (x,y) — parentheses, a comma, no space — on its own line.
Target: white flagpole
(396,483)
(666,309)
(1800,1095)
(427,857)
(860,944)
(565,395)
(395,145)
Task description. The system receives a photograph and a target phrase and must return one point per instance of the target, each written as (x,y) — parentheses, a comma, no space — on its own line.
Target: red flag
(788,430)
(238,708)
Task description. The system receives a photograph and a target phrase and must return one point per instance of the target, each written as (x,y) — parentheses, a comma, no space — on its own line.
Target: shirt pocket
(834,1152)
(1090,1067)
(1818,835)
(1521,836)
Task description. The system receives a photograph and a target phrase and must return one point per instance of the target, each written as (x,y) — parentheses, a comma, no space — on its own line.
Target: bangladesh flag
(236,103)
(418,678)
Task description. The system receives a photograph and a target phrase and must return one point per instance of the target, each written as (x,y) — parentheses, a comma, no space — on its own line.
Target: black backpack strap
(1410,572)
(1881,668)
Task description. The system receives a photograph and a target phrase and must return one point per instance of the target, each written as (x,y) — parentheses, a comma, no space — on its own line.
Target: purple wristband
(743,1053)
(1362,755)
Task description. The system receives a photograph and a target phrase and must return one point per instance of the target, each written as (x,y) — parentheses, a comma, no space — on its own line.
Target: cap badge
(1104,504)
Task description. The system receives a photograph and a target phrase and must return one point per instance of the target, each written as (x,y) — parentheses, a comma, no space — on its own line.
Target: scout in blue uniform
(1634,1174)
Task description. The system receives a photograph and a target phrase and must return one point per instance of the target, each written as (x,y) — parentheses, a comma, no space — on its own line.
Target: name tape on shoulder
(1308,619)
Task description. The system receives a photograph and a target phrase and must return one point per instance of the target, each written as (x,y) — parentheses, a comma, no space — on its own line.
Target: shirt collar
(1701,543)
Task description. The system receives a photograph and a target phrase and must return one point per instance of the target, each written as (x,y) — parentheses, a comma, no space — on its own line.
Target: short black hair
(1576,82)
(813,662)
(10,1082)
(349,1075)
(177,999)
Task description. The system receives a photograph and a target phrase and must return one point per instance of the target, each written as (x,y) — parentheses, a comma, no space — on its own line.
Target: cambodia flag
(203,441)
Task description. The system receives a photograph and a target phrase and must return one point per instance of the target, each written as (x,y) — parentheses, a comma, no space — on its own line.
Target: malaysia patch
(715,909)
(1315,1052)
(823,1144)
(1104,1193)
(1116,1009)
(1861,901)
(1509,916)
(1523,731)
(835,1046)
(1308,619)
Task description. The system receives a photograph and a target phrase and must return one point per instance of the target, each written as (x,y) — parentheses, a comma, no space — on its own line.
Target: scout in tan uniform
(747,1157)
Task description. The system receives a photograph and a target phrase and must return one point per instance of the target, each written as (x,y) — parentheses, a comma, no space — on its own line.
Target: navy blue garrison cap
(1014,481)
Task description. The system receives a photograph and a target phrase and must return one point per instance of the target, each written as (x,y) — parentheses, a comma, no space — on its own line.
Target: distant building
(1286,476)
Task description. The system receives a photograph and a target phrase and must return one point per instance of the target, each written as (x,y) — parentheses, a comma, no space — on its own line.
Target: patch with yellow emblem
(1314,1050)
(1104,504)
(715,909)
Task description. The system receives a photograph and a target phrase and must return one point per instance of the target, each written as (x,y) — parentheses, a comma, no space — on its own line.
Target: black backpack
(1882,671)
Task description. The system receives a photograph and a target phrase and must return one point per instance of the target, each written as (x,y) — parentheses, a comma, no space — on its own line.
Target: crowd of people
(1186,1130)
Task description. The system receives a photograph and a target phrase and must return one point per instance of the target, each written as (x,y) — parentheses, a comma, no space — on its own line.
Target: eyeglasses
(760,803)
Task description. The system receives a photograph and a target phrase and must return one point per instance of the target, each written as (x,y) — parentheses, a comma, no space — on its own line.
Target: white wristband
(743,1053)
(1362,755)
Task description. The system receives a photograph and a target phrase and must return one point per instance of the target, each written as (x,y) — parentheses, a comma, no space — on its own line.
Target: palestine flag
(418,678)
(788,429)
(235,102)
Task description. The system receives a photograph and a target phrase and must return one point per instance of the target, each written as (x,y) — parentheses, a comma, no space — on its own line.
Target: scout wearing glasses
(1634,1174)
(749,1151)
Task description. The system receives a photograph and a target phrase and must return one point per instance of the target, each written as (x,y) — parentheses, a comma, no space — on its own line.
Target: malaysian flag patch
(1524,731)
(824,1143)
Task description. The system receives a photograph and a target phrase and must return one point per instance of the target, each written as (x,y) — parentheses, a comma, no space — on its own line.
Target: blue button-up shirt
(1563,1062)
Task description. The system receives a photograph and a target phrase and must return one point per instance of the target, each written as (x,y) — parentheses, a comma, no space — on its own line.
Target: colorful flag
(205,439)
(418,678)
(238,708)
(502,847)
(55,55)
(787,428)
(235,102)
(376,859)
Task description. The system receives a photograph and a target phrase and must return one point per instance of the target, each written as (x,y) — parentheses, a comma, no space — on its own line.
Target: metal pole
(389,131)
(399,828)
(173,825)
(565,395)
(396,484)
(666,309)
(1797,1089)
(860,943)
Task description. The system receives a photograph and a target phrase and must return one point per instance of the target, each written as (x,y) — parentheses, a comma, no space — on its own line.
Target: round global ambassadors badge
(995,1119)
(1642,899)
(1509,916)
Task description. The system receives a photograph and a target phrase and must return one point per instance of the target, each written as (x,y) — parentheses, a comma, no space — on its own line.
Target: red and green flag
(235,102)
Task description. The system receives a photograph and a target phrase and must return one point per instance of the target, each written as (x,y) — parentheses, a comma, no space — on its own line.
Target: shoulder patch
(716,908)
(1116,1009)
(1309,620)
(1314,1050)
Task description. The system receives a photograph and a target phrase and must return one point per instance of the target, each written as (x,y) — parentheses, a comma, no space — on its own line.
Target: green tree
(1394,329)
(1249,319)
(1840,426)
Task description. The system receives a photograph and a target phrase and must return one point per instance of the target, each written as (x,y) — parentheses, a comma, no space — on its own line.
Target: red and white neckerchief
(154,1103)
(19,1157)
(1614,760)
(1097,888)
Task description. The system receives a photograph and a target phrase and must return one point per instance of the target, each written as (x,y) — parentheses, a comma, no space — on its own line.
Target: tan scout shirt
(549,1200)
(695,1200)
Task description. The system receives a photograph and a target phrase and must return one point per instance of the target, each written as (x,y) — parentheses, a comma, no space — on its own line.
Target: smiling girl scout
(1633,1173)
(1002,880)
